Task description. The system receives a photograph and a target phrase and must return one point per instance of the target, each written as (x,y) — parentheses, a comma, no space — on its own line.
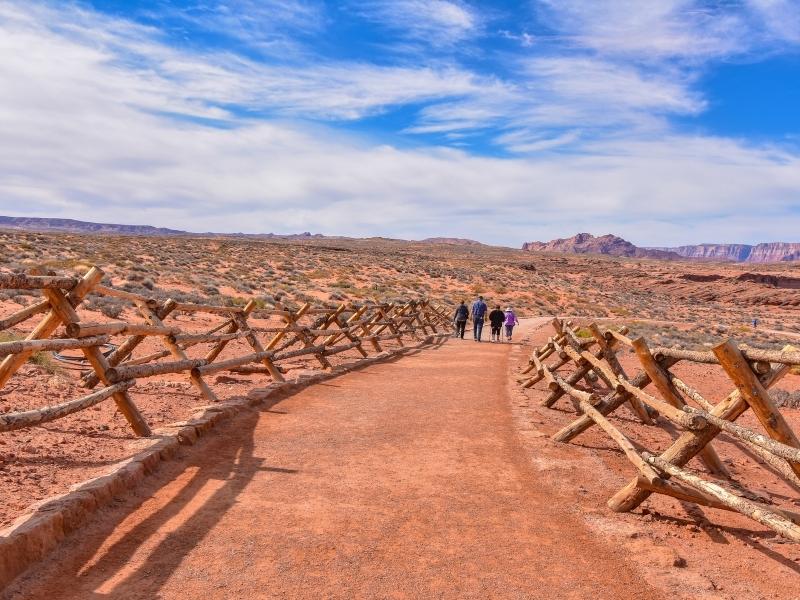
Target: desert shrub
(784,398)
(41,359)
(108,306)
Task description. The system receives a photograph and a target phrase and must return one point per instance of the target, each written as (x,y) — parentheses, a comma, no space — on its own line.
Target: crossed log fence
(575,367)
(330,331)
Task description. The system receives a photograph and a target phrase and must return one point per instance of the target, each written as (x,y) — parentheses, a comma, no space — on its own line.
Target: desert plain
(674,548)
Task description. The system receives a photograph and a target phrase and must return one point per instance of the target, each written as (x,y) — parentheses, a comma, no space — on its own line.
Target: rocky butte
(586,243)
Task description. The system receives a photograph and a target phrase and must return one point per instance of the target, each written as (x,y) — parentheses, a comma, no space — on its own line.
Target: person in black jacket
(460,319)
(496,319)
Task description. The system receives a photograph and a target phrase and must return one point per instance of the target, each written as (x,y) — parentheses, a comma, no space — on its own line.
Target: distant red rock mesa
(586,243)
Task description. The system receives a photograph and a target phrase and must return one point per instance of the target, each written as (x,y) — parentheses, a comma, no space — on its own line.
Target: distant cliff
(586,243)
(451,241)
(760,253)
(73,226)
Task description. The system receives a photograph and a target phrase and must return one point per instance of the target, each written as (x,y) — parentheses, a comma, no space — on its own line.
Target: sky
(666,122)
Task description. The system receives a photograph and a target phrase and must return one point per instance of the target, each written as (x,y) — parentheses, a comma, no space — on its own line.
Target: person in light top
(510,322)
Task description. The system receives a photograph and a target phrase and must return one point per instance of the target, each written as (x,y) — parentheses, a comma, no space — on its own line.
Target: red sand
(432,476)
(404,480)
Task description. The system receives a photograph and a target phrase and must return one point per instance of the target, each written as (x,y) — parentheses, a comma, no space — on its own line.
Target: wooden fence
(576,367)
(316,332)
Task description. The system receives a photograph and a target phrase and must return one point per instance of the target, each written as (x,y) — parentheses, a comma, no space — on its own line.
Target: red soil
(432,476)
(404,480)
(42,461)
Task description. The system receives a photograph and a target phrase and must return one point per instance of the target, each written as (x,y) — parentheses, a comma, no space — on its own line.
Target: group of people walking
(480,311)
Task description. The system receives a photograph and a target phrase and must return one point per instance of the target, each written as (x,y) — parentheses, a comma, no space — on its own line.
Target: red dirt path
(404,480)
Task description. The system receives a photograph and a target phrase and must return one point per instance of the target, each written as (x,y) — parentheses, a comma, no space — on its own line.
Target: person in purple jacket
(511,320)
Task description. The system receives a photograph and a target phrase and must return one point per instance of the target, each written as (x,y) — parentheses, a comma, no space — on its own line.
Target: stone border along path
(405,479)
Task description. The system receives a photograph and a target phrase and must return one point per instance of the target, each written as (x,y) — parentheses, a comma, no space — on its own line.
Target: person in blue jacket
(479,310)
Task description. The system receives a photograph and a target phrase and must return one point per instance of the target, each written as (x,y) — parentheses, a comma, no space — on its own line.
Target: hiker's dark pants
(460,327)
(477,328)
(496,330)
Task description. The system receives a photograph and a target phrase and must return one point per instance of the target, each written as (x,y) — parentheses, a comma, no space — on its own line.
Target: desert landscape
(675,303)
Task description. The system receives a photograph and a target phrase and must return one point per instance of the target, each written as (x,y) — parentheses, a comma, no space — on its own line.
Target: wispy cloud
(689,29)
(435,22)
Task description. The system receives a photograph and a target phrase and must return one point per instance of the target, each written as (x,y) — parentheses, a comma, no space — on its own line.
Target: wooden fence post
(749,386)
(63,311)
(708,455)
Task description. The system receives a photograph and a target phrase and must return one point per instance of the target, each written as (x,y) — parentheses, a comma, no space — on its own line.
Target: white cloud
(780,19)
(436,22)
(646,30)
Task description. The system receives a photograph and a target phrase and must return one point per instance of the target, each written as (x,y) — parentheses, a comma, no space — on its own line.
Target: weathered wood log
(125,349)
(572,379)
(660,380)
(687,494)
(567,388)
(789,355)
(124,373)
(226,365)
(80,329)
(675,490)
(206,338)
(250,370)
(49,324)
(64,312)
(7,348)
(177,352)
(690,355)
(29,418)
(290,319)
(781,466)
(690,443)
(622,441)
(757,355)
(757,512)
(331,350)
(756,396)
(689,392)
(264,356)
(148,358)
(611,359)
(227,328)
(21,281)
(607,405)
(619,336)
(301,352)
(603,371)
(676,415)
(785,451)
(103,290)
(24,314)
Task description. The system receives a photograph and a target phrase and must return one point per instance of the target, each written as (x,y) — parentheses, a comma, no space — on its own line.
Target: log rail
(306,331)
(565,360)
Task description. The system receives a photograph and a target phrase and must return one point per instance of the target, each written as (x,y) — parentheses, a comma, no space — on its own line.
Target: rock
(679,562)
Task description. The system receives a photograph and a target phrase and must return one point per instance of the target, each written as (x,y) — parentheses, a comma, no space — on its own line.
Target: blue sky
(665,122)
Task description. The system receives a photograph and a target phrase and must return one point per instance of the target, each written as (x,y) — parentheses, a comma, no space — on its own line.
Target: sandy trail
(404,480)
